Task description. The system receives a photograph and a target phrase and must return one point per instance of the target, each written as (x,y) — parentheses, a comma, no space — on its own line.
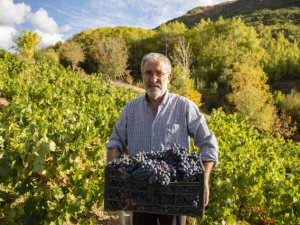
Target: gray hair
(153,56)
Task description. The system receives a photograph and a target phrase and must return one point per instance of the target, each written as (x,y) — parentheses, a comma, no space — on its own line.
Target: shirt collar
(166,97)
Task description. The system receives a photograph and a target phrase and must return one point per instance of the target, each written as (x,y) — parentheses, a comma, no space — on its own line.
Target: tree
(183,85)
(138,42)
(250,95)
(111,56)
(217,46)
(72,52)
(168,35)
(48,55)
(181,81)
(282,57)
(26,44)
(182,54)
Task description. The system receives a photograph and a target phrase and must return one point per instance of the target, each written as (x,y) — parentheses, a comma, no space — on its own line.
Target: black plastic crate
(177,198)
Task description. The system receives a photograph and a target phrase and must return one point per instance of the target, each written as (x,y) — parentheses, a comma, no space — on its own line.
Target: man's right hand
(112,153)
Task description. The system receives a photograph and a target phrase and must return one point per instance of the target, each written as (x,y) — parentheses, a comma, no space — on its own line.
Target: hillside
(265,11)
(278,15)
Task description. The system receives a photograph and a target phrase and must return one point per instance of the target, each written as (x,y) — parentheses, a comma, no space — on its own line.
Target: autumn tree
(250,95)
(72,52)
(26,44)
(138,43)
(284,125)
(111,56)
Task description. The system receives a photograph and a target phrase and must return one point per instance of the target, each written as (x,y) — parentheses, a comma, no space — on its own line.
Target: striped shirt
(177,119)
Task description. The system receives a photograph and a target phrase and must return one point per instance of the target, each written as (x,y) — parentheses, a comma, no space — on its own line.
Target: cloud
(7,36)
(137,13)
(48,39)
(42,22)
(66,28)
(11,14)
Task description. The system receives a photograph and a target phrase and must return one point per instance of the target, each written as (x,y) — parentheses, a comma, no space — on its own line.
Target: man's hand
(112,153)
(208,166)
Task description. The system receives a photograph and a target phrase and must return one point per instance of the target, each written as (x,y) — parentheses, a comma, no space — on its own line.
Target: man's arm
(205,140)
(208,166)
(118,140)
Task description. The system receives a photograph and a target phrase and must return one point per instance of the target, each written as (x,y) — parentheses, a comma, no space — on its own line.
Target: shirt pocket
(171,133)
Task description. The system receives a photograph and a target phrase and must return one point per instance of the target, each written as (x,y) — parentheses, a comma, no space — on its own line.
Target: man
(158,120)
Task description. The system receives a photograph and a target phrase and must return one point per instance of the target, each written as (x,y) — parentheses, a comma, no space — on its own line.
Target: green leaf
(52,146)
(38,164)
(57,193)
(43,149)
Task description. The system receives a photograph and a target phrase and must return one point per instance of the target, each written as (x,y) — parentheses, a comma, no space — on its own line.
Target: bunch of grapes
(171,165)
(152,171)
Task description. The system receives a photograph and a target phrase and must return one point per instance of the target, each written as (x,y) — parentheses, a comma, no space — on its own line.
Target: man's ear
(170,77)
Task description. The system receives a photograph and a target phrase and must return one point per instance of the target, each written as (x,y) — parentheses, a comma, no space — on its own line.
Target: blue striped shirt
(177,120)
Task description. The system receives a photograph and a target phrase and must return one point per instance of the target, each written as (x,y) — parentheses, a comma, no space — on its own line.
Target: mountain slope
(248,9)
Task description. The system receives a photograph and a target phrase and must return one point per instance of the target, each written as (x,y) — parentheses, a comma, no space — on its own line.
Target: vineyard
(52,153)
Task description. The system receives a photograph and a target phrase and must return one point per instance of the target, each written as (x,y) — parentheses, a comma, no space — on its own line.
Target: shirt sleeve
(119,134)
(204,138)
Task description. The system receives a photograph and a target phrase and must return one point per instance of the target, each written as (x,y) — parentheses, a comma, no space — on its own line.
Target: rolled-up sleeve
(204,138)
(119,135)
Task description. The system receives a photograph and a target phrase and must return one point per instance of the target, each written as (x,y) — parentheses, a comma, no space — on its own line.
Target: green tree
(26,44)
(72,52)
(168,36)
(217,46)
(282,58)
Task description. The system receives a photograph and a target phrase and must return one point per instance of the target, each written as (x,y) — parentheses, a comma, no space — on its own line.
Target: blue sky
(58,20)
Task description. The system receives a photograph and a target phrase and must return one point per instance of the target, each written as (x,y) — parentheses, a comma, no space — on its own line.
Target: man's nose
(153,78)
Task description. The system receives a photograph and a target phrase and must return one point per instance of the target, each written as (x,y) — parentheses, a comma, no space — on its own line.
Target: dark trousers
(139,218)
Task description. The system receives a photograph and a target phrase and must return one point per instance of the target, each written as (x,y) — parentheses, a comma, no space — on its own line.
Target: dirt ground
(108,218)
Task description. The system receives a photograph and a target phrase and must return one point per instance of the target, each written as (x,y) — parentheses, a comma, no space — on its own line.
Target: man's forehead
(155,63)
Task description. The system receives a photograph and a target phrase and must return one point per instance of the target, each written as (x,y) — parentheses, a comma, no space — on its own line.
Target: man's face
(156,78)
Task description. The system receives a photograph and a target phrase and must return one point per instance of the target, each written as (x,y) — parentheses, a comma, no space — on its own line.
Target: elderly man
(158,120)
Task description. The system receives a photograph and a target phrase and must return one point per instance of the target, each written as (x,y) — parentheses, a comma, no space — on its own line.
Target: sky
(59,20)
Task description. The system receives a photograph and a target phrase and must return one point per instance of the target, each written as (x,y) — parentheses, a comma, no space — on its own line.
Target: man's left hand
(208,166)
